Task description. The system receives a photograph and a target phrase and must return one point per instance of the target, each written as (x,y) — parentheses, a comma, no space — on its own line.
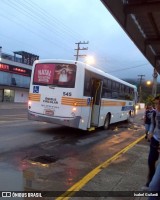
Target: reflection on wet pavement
(12,178)
(49,177)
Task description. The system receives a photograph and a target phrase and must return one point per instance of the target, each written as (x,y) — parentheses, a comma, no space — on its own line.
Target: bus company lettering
(50,106)
(50,100)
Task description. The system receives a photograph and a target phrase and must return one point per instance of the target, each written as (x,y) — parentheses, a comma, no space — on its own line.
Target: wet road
(46,157)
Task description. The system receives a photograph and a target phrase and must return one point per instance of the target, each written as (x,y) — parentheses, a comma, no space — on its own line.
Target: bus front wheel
(106,122)
(129,117)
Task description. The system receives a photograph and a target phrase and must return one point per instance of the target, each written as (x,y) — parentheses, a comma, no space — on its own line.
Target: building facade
(15,74)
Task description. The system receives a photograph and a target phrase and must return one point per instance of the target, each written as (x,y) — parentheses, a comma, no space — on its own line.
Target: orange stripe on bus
(113,103)
(73,98)
(83,102)
(34,97)
(74,101)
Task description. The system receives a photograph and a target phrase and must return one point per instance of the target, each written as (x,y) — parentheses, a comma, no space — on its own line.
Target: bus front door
(96,101)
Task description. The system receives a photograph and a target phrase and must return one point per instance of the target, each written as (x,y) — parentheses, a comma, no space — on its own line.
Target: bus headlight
(137,107)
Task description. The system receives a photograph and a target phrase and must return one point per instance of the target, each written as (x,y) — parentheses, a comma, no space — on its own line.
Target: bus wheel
(129,119)
(106,122)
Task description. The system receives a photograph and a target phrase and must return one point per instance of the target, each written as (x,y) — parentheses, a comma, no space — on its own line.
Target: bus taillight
(29,104)
(74,109)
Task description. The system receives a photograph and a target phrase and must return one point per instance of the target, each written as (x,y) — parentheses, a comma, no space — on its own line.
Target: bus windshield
(58,75)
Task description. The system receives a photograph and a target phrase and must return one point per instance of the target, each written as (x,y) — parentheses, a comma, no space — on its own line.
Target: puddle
(45,159)
(11,179)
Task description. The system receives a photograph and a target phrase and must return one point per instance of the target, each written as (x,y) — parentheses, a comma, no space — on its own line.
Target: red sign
(15,70)
(44,73)
(4,67)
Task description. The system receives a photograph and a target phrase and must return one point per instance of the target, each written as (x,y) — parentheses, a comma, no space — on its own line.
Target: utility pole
(0,52)
(154,87)
(80,49)
(140,87)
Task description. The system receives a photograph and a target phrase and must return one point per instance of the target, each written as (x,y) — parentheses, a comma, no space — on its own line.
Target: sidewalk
(12,105)
(125,174)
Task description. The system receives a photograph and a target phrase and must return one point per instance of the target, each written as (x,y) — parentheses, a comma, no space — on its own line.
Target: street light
(90,60)
(148,83)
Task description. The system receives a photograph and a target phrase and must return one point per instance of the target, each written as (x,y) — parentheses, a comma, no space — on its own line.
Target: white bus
(74,94)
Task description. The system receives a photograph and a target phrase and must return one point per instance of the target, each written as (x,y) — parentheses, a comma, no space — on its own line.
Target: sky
(51,28)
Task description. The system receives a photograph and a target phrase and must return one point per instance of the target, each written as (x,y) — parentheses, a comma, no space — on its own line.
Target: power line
(53,18)
(34,18)
(44,19)
(127,68)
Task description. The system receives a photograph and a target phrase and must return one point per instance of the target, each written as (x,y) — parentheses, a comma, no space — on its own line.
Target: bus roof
(89,67)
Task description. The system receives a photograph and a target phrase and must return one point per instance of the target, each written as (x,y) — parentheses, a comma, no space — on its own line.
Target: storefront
(14,95)
(14,83)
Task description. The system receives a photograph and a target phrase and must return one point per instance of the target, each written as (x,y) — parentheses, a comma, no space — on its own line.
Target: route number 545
(67,93)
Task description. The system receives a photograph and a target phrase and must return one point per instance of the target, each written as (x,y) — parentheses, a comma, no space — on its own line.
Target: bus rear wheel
(106,122)
(129,119)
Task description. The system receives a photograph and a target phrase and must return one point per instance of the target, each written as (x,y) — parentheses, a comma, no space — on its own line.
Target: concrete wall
(20,96)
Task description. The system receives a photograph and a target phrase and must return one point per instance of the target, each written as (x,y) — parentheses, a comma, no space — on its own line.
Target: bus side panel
(84,108)
(85,116)
(118,113)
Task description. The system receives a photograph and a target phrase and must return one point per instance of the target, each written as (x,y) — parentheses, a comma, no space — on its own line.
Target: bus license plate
(49,112)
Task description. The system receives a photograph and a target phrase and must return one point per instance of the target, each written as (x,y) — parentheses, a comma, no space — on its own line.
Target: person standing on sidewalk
(154,185)
(154,136)
(147,118)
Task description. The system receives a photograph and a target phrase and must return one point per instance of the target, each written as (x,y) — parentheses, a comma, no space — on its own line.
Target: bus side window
(121,92)
(127,95)
(106,90)
(115,90)
(115,95)
(87,84)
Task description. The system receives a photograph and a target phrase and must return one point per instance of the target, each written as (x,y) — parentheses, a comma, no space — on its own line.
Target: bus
(75,94)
